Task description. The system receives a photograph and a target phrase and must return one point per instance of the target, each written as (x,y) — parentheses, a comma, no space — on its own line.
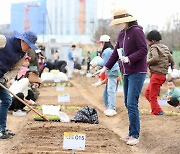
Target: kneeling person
(173,94)
(23,89)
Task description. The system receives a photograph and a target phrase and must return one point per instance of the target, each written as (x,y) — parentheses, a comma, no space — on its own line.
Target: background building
(71,20)
(29,15)
(58,23)
(57,20)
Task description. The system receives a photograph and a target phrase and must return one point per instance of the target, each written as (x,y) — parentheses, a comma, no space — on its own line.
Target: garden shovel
(41,115)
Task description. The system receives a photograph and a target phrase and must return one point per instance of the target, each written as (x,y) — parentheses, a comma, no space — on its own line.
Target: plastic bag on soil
(86,114)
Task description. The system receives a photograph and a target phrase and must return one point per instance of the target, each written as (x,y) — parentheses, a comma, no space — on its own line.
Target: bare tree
(103,29)
(5,30)
(171,32)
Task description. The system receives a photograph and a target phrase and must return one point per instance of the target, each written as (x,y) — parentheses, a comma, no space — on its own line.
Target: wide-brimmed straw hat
(34,78)
(121,16)
(29,37)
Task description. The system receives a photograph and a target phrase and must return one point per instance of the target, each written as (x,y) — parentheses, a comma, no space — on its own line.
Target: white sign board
(50,109)
(56,80)
(64,98)
(162,102)
(60,88)
(74,141)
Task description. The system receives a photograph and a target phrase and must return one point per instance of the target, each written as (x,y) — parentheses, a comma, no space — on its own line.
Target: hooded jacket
(105,56)
(133,43)
(159,58)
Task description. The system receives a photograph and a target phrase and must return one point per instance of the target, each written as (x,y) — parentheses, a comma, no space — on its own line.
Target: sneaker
(178,107)
(4,135)
(110,112)
(132,141)
(125,139)
(9,132)
(161,113)
(19,113)
(24,110)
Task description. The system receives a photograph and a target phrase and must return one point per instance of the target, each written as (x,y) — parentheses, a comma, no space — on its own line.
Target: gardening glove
(3,80)
(97,68)
(101,71)
(125,59)
(97,84)
(32,102)
(93,63)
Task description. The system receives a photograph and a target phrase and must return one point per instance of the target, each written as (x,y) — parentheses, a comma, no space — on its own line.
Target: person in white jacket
(22,88)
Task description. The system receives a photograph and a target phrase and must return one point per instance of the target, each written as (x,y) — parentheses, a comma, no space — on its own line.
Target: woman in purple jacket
(131,51)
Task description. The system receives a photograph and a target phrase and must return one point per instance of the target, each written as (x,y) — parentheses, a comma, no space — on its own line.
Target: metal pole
(43,25)
(73,151)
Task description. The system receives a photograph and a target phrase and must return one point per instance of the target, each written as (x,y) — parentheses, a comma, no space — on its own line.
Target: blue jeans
(5,103)
(109,95)
(133,84)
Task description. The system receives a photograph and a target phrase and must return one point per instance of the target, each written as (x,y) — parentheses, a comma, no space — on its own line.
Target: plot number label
(74,140)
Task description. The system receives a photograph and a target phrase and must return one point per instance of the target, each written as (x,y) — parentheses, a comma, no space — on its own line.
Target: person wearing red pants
(158,62)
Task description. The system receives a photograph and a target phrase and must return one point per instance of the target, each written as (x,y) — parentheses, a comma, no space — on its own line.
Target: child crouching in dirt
(173,94)
(24,89)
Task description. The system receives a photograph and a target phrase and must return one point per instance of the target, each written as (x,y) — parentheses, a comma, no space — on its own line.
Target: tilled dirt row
(159,134)
(48,138)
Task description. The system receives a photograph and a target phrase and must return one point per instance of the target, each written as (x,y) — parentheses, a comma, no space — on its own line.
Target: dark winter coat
(133,43)
(10,54)
(159,58)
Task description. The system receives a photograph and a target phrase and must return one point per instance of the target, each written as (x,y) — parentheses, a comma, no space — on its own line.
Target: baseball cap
(104,38)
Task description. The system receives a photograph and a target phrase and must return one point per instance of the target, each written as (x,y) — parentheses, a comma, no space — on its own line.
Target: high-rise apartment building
(29,15)
(59,20)
(71,17)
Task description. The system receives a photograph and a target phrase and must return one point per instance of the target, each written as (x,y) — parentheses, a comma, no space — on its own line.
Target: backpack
(86,114)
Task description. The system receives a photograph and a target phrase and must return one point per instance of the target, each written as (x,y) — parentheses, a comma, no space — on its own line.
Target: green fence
(93,54)
(176,57)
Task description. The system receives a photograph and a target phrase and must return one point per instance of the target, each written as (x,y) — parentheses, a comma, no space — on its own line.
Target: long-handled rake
(41,115)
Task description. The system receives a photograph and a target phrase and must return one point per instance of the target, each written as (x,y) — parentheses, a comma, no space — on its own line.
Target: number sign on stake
(74,141)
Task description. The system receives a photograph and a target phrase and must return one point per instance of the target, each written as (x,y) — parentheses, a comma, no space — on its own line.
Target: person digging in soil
(24,89)
(12,55)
